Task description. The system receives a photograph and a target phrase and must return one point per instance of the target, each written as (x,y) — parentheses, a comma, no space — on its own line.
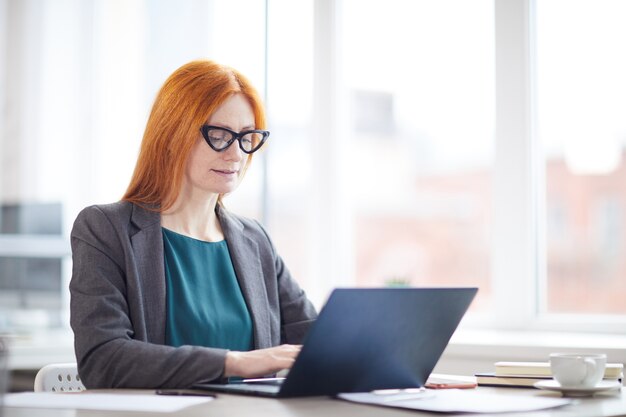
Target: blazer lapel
(148,250)
(244,253)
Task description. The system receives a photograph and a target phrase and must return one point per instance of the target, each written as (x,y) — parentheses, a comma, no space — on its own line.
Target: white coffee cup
(578,370)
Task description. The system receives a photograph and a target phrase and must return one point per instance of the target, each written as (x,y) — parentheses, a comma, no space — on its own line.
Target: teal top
(205,306)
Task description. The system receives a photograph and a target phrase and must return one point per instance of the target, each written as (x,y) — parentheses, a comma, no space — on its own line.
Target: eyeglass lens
(220,139)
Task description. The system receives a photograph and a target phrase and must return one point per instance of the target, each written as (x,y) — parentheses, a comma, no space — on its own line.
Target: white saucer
(552,385)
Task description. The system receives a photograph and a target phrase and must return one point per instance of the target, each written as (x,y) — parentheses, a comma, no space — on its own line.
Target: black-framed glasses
(220,138)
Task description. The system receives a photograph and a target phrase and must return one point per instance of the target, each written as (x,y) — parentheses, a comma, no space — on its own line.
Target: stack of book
(526,374)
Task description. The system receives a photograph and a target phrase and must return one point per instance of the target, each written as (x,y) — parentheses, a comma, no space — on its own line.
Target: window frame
(520,264)
(518,269)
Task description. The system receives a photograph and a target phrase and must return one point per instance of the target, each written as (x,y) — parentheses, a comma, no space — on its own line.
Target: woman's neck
(194,218)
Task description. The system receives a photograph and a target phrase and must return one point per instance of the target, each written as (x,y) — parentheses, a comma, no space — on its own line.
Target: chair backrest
(58,377)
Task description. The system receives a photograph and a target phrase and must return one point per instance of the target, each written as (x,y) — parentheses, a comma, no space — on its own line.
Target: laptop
(367,339)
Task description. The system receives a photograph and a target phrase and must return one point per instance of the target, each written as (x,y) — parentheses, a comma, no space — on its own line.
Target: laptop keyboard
(256,387)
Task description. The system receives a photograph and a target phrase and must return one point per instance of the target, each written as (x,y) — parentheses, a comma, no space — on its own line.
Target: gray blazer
(118,302)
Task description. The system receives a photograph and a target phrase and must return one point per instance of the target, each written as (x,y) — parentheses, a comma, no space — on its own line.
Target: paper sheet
(117,402)
(457,401)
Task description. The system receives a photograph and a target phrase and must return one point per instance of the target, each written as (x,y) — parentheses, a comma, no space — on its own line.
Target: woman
(169,288)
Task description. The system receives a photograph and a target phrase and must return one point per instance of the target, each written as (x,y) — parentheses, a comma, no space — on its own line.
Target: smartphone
(444,385)
(443,381)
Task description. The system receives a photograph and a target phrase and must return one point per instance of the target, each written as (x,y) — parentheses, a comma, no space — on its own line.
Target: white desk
(602,405)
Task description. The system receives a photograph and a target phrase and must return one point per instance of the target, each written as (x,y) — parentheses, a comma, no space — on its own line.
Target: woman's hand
(256,363)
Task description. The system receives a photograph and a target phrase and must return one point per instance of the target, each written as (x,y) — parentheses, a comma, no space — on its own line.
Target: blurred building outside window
(581,103)
(422,135)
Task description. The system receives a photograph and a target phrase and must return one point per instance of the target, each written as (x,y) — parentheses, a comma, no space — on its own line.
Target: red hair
(185,102)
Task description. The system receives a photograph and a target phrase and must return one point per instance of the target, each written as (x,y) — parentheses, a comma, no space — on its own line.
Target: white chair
(58,377)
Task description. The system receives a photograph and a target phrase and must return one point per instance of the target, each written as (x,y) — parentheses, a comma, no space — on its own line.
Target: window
(581,103)
(427,130)
(421,132)
(290,177)
(442,142)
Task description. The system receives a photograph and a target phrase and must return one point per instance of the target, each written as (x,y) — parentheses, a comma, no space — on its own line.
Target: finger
(291,351)
(294,348)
